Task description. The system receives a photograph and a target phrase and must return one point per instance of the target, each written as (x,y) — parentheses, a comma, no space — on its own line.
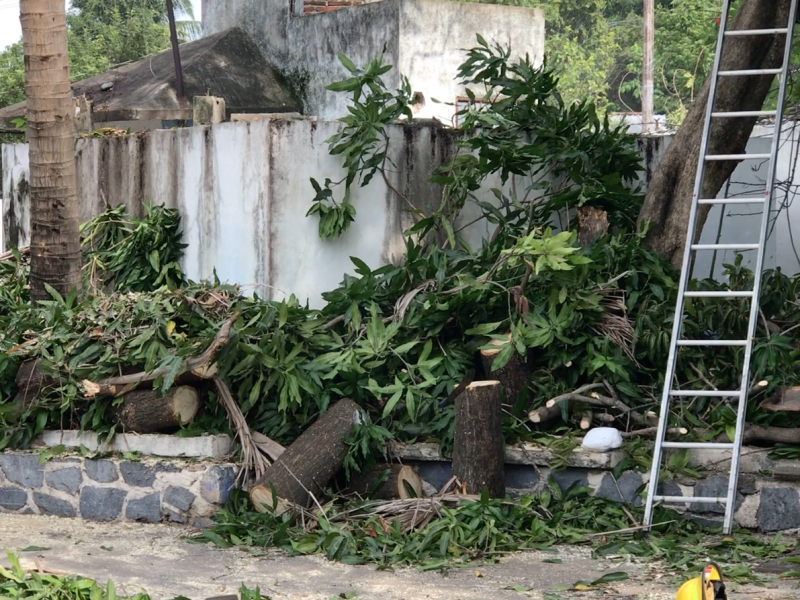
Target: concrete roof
(227,64)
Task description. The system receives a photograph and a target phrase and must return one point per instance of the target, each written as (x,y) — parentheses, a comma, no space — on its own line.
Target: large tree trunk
(143,411)
(55,241)
(302,472)
(669,193)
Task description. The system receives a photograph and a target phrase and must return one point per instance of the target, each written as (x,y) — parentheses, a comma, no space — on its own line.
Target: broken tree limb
(784,399)
(143,411)
(478,452)
(586,420)
(198,365)
(596,399)
(301,473)
(267,445)
(514,376)
(648,431)
(402,482)
(552,410)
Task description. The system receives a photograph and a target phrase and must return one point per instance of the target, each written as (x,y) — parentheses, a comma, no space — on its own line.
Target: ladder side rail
(757,273)
(684,275)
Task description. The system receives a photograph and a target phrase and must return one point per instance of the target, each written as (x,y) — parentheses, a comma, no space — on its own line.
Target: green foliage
(112,242)
(16,583)
(362,142)
(486,529)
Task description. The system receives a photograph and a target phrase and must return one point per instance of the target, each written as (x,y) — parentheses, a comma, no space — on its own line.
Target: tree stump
(592,224)
(143,411)
(478,450)
(31,384)
(403,482)
(309,464)
(514,376)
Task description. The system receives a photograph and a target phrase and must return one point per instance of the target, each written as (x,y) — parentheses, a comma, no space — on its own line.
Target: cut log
(783,400)
(478,452)
(402,482)
(300,474)
(31,383)
(592,224)
(143,411)
(200,366)
(514,376)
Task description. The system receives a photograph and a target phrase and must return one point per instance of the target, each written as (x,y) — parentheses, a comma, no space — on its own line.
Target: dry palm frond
(615,323)
(253,461)
(411,513)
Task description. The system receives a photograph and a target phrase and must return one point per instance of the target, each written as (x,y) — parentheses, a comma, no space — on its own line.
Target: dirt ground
(156,559)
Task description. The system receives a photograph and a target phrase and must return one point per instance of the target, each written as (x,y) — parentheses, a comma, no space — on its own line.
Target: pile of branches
(575,324)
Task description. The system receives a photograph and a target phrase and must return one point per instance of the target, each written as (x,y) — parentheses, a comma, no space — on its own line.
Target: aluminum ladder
(676,341)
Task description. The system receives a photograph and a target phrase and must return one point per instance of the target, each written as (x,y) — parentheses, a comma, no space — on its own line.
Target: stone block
(165,467)
(67,480)
(137,474)
(779,509)
(23,469)
(436,473)
(622,490)
(522,477)
(173,516)
(101,504)
(180,498)
(101,471)
(713,487)
(147,509)
(13,498)
(570,478)
(216,484)
(669,488)
(48,505)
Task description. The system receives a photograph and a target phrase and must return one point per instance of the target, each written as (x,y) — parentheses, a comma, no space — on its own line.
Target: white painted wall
(243,191)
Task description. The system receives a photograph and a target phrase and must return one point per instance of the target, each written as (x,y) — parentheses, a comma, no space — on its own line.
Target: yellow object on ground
(709,586)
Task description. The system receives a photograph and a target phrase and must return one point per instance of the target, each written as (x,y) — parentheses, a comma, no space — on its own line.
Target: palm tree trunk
(669,193)
(55,238)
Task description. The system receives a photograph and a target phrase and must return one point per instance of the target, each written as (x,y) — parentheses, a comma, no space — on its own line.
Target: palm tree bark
(669,193)
(55,238)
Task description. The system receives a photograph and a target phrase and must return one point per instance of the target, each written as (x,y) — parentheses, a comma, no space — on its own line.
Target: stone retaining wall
(768,497)
(112,489)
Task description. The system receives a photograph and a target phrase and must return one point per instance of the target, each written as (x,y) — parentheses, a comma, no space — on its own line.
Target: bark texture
(31,383)
(309,464)
(478,452)
(402,478)
(669,193)
(143,411)
(55,239)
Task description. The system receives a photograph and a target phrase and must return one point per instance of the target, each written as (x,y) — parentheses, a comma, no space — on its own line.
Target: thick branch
(198,365)
(552,409)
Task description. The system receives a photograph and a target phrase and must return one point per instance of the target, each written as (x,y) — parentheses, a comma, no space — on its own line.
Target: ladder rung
(734,32)
(725,246)
(745,113)
(712,342)
(690,499)
(698,445)
(732,200)
(738,156)
(750,72)
(727,294)
(704,393)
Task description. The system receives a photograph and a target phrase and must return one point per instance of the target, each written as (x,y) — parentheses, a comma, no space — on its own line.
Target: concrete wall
(243,191)
(424,39)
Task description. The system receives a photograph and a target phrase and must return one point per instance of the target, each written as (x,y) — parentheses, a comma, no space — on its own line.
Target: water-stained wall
(243,191)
